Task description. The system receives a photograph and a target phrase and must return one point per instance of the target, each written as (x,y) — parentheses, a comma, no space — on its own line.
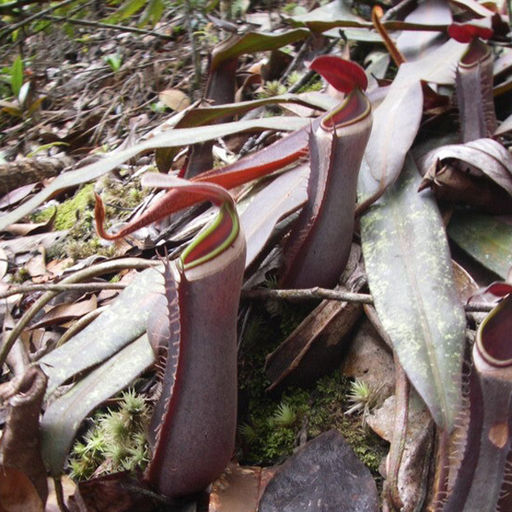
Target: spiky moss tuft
(116,442)
(270,428)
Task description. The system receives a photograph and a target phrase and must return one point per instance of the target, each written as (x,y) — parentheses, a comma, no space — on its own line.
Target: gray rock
(323,476)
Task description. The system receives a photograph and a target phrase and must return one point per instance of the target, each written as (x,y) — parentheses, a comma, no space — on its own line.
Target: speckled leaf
(411,279)
(487,239)
(64,416)
(120,324)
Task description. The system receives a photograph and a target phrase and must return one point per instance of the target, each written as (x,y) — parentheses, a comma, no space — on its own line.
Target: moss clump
(271,89)
(314,85)
(270,427)
(77,215)
(116,442)
(21,275)
(80,249)
(70,211)
(273,428)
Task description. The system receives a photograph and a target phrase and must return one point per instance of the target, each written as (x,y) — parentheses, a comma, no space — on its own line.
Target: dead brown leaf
(64,312)
(175,99)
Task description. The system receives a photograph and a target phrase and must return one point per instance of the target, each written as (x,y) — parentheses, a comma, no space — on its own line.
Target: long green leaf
(397,119)
(119,325)
(200,116)
(17,75)
(411,279)
(179,137)
(487,239)
(253,42)
(64,416)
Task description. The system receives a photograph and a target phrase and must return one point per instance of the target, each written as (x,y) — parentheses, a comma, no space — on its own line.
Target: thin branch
(324,293)
(82,275)
(10,7)
(81,287)
(308,294)
(110,26)
(12,28)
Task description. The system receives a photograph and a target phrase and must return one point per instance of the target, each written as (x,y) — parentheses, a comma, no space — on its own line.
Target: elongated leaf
(487,239)
(119,325)
(396,120)
(203,115)
(64,416)
(17,75)
(206,115)
(253,42)
(411,279)
(416,44)
(283,196)
(277,156)
(395,126)
(473,6)
(126,10)
(339,14)
(505,126)
(334,14)
(180,137)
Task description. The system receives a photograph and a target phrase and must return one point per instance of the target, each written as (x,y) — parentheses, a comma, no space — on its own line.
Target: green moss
(270,426)
(314,85)
(272,88)
(21,275)
(116,442)
(77,215)
(69,212)
(268,438)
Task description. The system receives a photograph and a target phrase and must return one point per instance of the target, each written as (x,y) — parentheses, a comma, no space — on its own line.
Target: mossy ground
(270,427)
(76,214)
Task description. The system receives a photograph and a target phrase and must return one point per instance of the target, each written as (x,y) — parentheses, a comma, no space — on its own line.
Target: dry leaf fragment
(65,312)
(175,99)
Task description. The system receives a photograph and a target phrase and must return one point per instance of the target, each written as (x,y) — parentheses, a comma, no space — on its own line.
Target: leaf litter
(100,109)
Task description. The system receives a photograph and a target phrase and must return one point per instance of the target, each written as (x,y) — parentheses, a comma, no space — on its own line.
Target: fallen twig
(324,293)
(12,28)
(81,287)
(110,26)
